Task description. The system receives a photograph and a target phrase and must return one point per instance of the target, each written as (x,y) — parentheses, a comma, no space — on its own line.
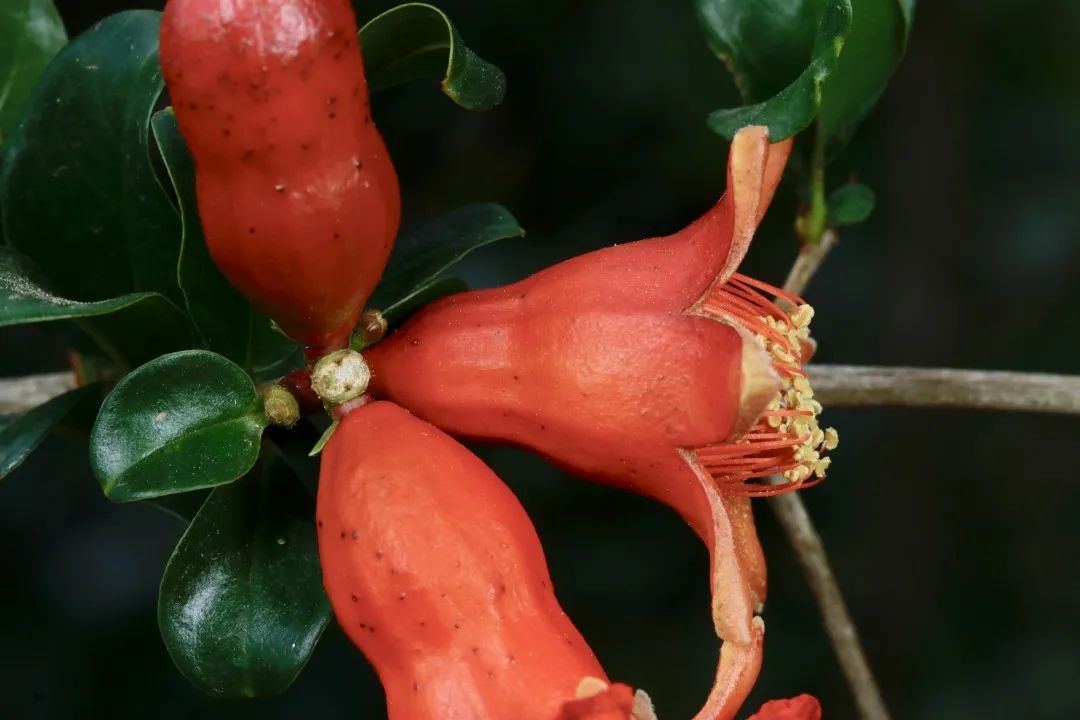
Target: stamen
(786,440)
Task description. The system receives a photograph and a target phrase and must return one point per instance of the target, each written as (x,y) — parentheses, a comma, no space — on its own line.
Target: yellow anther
(780,353)
(802,316)
(821,466)
(802,385)
(832,438)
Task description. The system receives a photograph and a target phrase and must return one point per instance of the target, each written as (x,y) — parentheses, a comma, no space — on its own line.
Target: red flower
(652,366)
(802,707)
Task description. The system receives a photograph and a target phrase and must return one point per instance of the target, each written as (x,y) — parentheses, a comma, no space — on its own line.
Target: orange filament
(785,441)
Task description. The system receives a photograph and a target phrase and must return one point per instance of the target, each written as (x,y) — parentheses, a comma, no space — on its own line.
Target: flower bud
(436,573)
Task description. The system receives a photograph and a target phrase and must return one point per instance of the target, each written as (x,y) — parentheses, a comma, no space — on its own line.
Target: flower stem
(812,224)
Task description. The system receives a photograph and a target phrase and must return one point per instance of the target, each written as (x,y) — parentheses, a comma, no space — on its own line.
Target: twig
(19,394)
(854,386)
(808,261)
(810,552)
(805,541)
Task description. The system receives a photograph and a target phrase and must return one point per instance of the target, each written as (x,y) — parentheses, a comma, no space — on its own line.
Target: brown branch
(856,386)
(19,394)
(805,541)
(800,532)
(808,261)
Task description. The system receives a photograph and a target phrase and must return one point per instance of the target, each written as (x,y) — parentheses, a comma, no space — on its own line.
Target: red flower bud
(651,366)
(803,707)
(297,195)
(437,575)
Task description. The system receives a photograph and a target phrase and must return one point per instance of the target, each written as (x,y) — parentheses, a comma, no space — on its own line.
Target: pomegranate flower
(652,366)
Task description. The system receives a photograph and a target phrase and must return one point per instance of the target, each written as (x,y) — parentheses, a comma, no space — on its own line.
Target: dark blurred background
(953,534)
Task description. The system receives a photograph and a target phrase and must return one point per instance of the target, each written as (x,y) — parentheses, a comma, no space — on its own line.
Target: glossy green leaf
(805,59)
(792,109)
(874,46)
(229,324)
(78,193)
(241,604)
(851,204)
(420,258)
(181,506)
(129,329)
(400,311)
(764,43)
(181,422)
(23,300)
(21,435)
(416,41)
(31,33)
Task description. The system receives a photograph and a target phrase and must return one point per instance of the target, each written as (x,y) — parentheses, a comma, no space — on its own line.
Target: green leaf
(228,323)
(416,40)
(792,109)
(764,43)
(805,59)
(420,258)
(181,422)
(874,46)
(130,329)
(78,193)
(31,33)
(851,204)
(323,439)
(23,300)
(400,311)
(241,604)
(181,506)
(21,435)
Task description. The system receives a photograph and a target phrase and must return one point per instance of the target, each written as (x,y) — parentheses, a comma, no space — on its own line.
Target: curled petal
(802,707)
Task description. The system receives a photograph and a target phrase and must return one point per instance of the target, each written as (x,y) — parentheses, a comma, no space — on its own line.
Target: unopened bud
(340,376)
(280,406)
(370,330)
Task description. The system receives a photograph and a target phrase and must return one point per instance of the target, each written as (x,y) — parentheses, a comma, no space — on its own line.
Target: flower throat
(786,440)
